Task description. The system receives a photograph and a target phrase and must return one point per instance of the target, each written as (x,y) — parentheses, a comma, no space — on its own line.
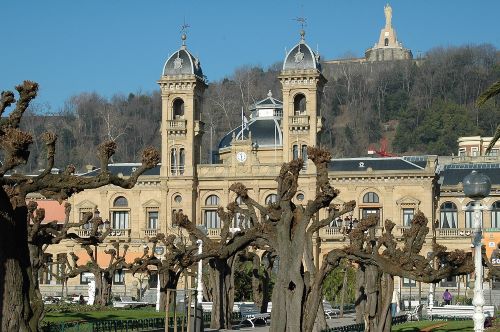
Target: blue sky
(119,46)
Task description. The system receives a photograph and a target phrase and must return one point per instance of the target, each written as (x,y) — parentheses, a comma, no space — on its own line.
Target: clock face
(241,156)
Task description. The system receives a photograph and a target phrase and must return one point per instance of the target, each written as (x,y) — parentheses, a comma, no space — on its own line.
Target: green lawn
(458,325)
(55,317)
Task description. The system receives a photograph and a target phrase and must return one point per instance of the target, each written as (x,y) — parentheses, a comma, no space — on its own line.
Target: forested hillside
(418,106)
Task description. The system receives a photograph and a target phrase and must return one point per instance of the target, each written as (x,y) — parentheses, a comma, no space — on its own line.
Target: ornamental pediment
(408,200)
(86,204)
(151,203)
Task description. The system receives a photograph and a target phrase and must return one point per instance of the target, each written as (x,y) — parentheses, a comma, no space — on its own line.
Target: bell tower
(302,83)
(182,86)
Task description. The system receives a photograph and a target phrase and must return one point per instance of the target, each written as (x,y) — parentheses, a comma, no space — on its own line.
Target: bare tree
(178,256)
(20,301)
(381,258)
(289,229)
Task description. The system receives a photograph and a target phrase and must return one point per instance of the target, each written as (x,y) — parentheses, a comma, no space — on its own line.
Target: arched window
(370,197)
(272,198)
(120,202)
(210,216)
(239,220)
(295,152)
(177,161)
(173,162)
(182,158)
(212,200)
(448,215)
(469,215)
(495,215)
(178,109)
(386,42)
(119,215)
(299,104)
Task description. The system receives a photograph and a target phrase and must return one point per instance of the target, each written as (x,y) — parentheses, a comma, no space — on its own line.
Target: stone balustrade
(149,232)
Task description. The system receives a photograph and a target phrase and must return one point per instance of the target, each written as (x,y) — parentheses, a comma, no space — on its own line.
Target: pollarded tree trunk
(168,281)
(107,284)
(374,298)
(222,280)
(360,301)
(289,289)
(16,291)
(37,261)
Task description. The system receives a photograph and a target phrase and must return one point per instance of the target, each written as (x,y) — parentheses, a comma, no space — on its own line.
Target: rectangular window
(82,213)
(495,219)
(469,219)
(409,282)
(493,153)
(212,219)
(295,151)
(119,277)
(475,151)
(449,282)
(182,158)
(85,278)
(461,152)
(152,219)
(59,273)
(408,215)
(45,275)
(448,219)
(120,220)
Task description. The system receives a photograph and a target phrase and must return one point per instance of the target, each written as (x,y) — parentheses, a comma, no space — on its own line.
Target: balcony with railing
(298,122)
(177,126)
(152,232)
(454,233)
(119,234)
(213,233)
(341,233)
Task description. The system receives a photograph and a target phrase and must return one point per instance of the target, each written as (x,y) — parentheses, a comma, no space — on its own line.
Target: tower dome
(301,56)
(182,62)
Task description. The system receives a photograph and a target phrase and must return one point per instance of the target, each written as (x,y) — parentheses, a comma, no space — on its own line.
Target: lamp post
(199,277)
(477,186)
(199,287)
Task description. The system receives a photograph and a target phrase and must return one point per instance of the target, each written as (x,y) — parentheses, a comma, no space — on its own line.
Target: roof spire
(303,23)
(184,28)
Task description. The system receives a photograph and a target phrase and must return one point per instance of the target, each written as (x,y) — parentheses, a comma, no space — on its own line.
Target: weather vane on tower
(303,23)
(184,28)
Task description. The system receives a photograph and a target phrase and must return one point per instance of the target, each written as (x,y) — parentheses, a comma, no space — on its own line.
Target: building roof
(125,169)
(378,164)
(264,132)
(301,56)
(453,174)
(182,62)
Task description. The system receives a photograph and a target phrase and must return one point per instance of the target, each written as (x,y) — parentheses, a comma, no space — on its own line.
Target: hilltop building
(388,47)
(278,131)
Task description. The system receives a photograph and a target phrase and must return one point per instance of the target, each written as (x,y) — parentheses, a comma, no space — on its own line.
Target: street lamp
(199,287)
(477,186)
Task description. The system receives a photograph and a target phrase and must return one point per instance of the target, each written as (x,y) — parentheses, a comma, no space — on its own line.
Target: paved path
(348,319)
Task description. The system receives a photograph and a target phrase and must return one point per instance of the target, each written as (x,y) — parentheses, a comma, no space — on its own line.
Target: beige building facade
(277,131)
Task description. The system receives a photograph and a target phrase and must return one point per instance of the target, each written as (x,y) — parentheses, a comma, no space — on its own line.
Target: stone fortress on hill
(392,188)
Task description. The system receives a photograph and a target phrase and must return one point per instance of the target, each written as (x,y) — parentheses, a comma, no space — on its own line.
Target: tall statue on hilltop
(388,15)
